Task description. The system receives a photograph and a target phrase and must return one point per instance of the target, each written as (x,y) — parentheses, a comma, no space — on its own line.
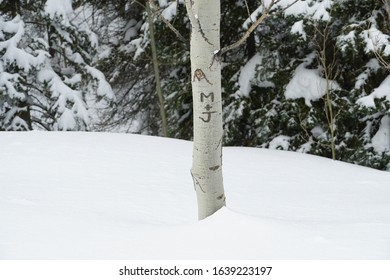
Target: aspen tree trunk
(207,104)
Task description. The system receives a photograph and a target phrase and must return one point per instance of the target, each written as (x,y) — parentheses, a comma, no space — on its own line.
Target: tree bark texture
(207,103)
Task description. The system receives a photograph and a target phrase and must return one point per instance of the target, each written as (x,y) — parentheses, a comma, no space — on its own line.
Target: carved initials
(208,116)
(208,107)
(203,96)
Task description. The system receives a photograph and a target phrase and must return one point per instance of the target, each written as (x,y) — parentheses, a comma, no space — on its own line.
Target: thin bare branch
(376,44)
(288,6)
(247,33)
(381,59)
(265,14)
(387,7)
(248,11)
(139,3)
(170,26)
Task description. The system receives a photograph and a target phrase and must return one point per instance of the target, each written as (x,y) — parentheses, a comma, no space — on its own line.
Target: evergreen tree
(127,62)
(317,86)
(126,59)
(50,60)
(15,64)
(311,78)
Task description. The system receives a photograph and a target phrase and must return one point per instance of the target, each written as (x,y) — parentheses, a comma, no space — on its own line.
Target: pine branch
(376,44)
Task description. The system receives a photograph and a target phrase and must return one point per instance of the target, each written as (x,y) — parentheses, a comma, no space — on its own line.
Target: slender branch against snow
(170,26)
(242,40)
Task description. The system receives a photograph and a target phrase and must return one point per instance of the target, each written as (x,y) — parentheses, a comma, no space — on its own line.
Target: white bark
(207,102)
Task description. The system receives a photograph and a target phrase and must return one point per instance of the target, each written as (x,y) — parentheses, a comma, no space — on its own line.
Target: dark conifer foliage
(349,41)
(47,77)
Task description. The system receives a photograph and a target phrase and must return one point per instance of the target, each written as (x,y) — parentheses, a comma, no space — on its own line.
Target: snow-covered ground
(117,196)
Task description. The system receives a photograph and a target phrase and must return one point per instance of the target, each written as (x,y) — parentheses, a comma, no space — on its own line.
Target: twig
(155,9)
(375,43)
(242,40)
(387,7)
(248,10)
(246,34)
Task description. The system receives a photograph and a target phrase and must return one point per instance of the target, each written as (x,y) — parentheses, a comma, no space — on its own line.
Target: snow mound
(119,196)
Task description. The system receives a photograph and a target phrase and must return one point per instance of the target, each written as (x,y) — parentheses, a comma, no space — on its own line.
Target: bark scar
(196,182)
(199,25)
(199,75)
(213,168)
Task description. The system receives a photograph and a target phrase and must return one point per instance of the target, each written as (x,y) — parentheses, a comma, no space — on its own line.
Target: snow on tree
(123,37)
(310,78)
(52,64)
(15,63)
(126,59)
(317,82)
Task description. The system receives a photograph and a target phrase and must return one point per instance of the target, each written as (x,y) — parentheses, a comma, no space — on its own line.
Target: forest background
(312,78)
